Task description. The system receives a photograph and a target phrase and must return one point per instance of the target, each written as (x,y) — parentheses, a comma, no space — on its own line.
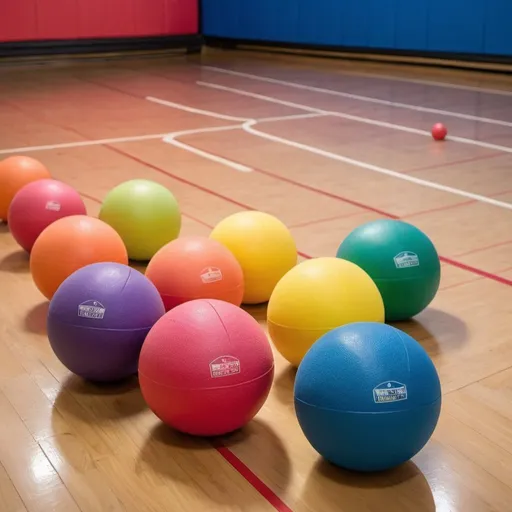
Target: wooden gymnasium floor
(325,146)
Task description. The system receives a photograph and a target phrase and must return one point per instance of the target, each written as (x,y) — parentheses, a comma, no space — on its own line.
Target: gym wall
(450,27)
(25,21)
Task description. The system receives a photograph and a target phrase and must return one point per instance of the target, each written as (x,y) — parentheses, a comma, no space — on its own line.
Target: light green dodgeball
(145,214)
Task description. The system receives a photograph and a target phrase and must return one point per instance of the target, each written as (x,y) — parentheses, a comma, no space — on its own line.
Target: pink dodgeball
(39,204)
(206,368)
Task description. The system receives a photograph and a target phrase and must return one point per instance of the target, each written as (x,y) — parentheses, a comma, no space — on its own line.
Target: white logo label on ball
(91,309)
(389,391)
(54,206)
(224,366)
(211,275)
(406,259)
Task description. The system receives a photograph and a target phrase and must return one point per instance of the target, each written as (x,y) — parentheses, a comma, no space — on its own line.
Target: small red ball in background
(439,131)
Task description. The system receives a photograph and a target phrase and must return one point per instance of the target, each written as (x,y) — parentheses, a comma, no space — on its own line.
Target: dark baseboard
(191,43)
(194,42)
(499,63)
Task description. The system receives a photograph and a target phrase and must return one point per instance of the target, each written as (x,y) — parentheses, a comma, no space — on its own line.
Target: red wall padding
(23,20)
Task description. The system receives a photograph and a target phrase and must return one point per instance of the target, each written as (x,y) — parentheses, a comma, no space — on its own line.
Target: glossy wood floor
(345,157)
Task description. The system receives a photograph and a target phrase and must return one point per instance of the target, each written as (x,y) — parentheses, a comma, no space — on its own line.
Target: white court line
(97,142)
(248,127)
(422,81)
(368,99)
(135,138)
(382,124)
(290,117)
(216,115)
(171,138)
(194,110)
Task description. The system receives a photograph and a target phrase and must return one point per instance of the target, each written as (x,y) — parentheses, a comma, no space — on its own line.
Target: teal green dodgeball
(401,260)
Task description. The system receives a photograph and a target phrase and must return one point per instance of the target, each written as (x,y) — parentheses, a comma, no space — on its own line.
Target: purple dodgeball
(99,318)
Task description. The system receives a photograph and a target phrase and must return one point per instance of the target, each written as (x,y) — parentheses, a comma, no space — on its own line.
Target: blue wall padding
(454,26)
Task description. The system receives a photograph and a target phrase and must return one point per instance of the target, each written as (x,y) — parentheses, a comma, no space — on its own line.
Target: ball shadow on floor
(260,447)
(400,489)
(258,432)
(169,453)
(4,227)
(100,402)
(436,330)
(181,457)
(16,262)
(35,319)
(162,436)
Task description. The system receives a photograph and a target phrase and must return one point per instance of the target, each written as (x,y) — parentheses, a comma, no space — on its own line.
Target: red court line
(319,221)
(439,208)
(323,192)
(462,283)
(451,164)
(450,261)
(199,221)
(483,273)
(178,178)
(452,206)
(258,484)
(92,198)
(479,249)
(502,193)
(350,201)
(345,199)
